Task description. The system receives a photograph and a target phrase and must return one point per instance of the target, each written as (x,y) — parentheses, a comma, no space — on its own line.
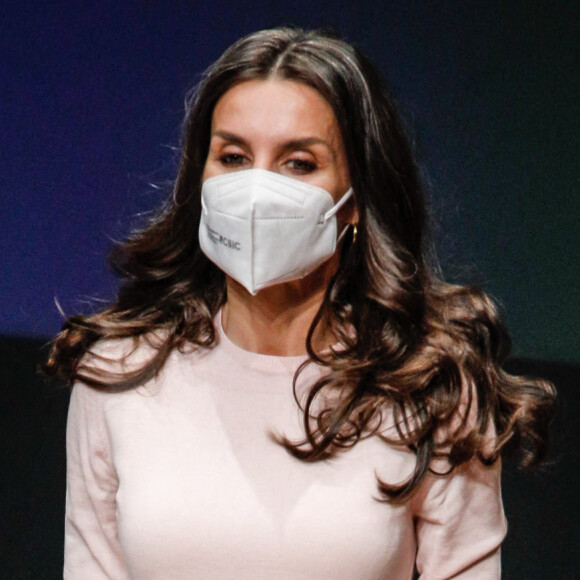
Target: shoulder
(121,354)
(123,363)
(114,371)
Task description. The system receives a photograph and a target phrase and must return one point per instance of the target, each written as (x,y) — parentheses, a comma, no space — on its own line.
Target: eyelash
(231,159)
(296,166)
(304,166)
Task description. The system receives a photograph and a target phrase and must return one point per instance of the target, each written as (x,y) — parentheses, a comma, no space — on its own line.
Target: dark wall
(92,101)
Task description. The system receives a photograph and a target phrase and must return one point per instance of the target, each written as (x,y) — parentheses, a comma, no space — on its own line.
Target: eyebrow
(290,144)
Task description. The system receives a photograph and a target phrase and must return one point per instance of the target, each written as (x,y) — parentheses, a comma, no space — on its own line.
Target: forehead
(275,106)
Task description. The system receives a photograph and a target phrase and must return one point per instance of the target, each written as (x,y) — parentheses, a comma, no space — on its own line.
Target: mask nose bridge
(285,187)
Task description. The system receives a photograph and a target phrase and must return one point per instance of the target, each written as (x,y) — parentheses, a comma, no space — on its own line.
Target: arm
(92,548)
(460,524)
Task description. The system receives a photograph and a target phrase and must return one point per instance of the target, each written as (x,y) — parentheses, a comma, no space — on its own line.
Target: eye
(301,166)
(232,159)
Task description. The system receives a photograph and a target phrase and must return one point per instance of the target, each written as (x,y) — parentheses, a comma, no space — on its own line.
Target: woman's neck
(277,319)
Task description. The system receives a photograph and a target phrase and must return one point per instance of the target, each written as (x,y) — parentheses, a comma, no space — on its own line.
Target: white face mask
(263,228)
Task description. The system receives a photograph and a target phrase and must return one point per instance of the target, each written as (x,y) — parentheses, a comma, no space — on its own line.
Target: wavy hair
(427,353)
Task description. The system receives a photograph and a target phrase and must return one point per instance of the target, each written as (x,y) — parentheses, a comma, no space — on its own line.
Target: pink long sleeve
(460,524)
(92,549)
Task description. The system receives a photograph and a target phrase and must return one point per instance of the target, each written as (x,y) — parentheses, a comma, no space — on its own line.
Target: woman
(283,299)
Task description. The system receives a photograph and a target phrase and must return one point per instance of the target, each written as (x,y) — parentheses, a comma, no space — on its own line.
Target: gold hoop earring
(354,232)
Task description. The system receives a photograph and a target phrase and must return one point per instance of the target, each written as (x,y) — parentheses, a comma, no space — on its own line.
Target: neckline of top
(255,360)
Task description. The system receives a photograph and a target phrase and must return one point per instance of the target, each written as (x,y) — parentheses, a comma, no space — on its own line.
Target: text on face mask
(217,238)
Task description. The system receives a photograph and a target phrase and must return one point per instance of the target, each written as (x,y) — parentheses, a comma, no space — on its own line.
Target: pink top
(179,479)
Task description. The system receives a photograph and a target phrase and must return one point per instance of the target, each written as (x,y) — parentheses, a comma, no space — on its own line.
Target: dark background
(90,107)
(92,99)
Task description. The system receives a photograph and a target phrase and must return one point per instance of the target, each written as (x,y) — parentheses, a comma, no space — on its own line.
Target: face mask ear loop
(344,230)
(332,211)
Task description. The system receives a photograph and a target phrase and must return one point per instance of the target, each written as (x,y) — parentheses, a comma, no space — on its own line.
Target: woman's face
(281,126)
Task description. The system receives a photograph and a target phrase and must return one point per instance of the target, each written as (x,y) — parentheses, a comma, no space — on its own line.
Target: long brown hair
(428,353)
